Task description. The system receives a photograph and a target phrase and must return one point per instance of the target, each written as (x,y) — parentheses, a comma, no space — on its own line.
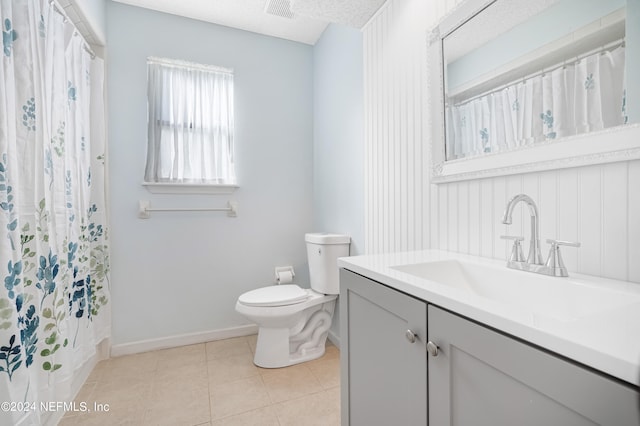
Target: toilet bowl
(293,322)
(287,334)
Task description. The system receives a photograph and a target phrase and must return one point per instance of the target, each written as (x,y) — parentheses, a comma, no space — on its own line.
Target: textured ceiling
(310,17)
(243,14)
(353,13)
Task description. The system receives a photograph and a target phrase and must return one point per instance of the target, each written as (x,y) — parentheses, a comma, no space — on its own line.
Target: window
(190,127)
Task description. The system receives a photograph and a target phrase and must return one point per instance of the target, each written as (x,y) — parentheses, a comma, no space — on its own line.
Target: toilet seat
(275,295)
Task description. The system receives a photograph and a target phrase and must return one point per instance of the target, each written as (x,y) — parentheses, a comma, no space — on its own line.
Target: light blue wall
(338,140)
(178,273)
(552,24)
(95,13)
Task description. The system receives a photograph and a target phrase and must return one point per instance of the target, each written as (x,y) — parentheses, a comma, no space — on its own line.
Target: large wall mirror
(520,85)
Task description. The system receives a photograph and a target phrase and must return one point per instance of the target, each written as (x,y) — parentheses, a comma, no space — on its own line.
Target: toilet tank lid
(326,238)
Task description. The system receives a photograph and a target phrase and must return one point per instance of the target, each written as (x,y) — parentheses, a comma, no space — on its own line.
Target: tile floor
(211,384)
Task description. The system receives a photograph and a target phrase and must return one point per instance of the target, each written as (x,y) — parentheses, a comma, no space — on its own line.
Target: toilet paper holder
(284,274)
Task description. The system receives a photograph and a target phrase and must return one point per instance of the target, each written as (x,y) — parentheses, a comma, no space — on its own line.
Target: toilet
(293,322)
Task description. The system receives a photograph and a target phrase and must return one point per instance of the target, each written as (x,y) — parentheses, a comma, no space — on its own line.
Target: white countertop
(608,340)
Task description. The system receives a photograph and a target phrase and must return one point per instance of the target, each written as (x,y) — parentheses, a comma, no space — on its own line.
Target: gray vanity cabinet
(478,377)
(384,375)
(481,377)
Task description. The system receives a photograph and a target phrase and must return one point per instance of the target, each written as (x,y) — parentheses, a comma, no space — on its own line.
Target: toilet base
(277,347)
(275,354)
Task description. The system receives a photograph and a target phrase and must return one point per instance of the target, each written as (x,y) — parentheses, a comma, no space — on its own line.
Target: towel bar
(145,209)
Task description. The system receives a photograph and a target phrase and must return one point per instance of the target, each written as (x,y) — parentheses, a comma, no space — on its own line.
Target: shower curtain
(584,96)
(54,257)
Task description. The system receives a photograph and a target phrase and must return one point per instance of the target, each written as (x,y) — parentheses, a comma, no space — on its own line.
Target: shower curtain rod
(604,48)
(59,9)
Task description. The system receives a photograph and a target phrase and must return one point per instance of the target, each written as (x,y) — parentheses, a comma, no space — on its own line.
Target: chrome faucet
(554,265)
(534,257)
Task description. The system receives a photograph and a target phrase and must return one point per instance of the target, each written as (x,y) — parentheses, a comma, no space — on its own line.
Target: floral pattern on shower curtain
(54,257)
(576,98)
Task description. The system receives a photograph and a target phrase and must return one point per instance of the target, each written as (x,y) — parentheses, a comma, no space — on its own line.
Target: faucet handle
(562,243)
(516,251)
(511,237)
(554,261)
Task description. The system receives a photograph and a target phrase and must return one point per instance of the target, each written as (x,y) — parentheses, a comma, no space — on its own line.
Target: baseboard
(334,338)
(182,340)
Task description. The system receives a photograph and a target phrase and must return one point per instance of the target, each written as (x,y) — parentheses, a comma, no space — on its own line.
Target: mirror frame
(621,143)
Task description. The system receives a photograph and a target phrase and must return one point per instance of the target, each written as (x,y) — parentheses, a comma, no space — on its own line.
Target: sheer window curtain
(580,97)
(191,122)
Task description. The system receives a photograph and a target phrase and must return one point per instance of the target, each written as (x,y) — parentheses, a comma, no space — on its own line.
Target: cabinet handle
(432,348)
(411,336)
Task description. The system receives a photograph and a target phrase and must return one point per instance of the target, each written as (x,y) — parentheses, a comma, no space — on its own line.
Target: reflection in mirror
(519,74)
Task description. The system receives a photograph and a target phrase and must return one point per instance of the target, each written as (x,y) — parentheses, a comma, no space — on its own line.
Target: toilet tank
(323,251)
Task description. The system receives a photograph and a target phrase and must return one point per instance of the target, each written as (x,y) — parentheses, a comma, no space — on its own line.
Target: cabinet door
(482,377)
(384,376)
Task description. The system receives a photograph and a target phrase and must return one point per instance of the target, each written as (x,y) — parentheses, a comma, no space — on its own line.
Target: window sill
(188,188)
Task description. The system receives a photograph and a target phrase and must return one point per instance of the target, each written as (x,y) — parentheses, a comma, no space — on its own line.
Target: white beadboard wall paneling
(614,220)
(420,189)
(501,194)
(598,206)
(544,191)
(426,219)
(633,221)
(384,143)
(372,105)
(568,215)
(369,81)
(463,217)
(372,180)
(390,165)
(590,211)
(397,200)
(397,142)
(366,53)
(434,217)
(382,172)
(375,178)
(394,146)
(410,177)
(403,151)
(443,217)
(488,222)
(475,218)
(452,214)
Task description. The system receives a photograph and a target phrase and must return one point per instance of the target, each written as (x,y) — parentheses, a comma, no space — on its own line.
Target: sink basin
(561,299)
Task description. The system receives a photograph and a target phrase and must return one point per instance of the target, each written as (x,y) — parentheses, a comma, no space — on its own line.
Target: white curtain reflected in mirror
(584,95)
(520,86)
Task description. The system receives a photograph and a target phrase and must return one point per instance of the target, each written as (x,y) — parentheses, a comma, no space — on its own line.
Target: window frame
(178,187)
